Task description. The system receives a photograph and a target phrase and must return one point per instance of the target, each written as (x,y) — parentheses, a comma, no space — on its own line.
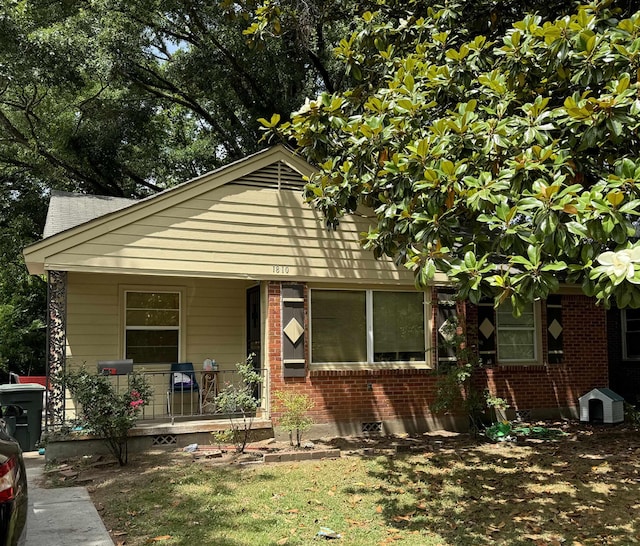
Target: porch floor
(193,426)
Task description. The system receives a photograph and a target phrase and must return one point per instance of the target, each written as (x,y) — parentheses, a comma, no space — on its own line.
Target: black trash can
(28,425)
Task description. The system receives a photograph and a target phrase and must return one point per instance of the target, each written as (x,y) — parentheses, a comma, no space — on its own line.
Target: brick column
(274,331)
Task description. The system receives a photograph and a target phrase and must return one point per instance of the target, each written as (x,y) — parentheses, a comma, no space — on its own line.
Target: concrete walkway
(63,516)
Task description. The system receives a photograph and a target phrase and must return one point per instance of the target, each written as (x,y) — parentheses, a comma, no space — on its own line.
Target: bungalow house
(234,262)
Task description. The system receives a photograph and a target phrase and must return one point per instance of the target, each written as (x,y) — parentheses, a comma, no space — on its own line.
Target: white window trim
(625,353)
(537,335)
(180,290)
(371,365)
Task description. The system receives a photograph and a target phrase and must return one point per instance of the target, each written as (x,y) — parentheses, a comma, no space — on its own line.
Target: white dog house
(601,406)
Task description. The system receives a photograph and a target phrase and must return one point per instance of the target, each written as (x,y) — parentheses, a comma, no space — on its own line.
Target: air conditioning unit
(601,406)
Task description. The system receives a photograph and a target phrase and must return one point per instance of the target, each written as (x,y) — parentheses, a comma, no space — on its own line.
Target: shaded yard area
(583,488)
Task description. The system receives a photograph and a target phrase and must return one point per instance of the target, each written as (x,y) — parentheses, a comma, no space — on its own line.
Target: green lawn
(584,489)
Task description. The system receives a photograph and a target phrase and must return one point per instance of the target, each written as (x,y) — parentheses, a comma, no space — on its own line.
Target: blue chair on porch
(182,380)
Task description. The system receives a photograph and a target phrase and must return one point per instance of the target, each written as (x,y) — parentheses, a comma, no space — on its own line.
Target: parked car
(13,482)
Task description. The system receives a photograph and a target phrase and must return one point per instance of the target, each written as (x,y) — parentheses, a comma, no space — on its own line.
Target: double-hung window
(367,326)
(631,334)
(152,326)
(517,337)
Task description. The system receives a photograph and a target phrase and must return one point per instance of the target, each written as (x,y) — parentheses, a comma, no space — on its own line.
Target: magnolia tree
(511,165)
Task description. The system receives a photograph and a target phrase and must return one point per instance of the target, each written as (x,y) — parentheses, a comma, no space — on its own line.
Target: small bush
(222,437)
(294,407)
(106,413)
(241,400)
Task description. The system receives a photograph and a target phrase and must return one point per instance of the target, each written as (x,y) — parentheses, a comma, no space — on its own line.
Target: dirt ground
(90,471)
(555,459)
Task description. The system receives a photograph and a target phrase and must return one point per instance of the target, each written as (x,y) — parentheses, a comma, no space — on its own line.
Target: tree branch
(179,97)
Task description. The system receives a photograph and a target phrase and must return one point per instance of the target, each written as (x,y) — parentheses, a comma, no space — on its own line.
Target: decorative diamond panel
(555,329)
(447,330)
(487,328)
(293,330)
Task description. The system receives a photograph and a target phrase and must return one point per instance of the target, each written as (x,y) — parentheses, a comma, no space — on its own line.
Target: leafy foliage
(239,399)
(105,412)
(631,415)
(456,388)
(507,160)
(295,407)
(22,297)
(128,97)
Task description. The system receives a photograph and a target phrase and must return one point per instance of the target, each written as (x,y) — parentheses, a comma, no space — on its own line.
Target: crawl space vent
(601,406)
(164,440)
(372,428)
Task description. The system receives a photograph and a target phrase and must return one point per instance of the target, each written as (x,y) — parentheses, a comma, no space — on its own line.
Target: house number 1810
(281,269)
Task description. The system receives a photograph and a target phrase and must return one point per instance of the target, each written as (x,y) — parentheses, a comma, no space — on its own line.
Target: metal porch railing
(189,402)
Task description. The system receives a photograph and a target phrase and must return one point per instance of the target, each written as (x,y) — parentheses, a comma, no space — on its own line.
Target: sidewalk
(63,516)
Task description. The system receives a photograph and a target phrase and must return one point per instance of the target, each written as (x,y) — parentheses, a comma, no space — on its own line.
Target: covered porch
(173,402)
(167,329)
(171,419)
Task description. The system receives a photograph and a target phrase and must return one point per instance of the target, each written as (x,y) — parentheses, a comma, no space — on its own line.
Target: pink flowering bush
(136,399)
(105,412)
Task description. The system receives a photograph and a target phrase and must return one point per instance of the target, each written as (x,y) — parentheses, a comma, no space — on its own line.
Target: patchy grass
(582,489)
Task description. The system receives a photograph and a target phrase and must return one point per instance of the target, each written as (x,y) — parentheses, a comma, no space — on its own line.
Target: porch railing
(198,400)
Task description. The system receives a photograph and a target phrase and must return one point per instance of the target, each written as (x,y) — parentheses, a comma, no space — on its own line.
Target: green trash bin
(28,425)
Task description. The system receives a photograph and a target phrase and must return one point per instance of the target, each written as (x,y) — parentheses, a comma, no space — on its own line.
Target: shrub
(294,407)
(631,415)
(105,412)
(239,399)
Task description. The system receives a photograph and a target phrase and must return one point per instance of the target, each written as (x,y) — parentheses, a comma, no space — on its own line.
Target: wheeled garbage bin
(28,425)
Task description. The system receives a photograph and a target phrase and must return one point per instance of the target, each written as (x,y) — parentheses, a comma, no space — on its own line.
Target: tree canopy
(508,159)
(127,98)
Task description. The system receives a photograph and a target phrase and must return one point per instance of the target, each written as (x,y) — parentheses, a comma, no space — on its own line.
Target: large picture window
(631,334)
(366,326)
(152,326)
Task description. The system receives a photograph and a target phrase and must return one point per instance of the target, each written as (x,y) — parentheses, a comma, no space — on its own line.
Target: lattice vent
(164,440)
(372,428)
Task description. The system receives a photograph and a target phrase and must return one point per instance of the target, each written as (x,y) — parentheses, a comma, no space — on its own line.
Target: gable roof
(74,219)
(68,210)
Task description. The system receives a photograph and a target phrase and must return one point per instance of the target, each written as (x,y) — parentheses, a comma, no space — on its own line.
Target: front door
(254,333)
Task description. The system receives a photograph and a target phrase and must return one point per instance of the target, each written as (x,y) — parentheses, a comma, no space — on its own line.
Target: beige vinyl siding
(92,320)
(213,312)
(233,231)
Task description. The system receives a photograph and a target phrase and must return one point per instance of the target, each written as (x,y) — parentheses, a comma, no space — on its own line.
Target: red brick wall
(584,364)
(378,395)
